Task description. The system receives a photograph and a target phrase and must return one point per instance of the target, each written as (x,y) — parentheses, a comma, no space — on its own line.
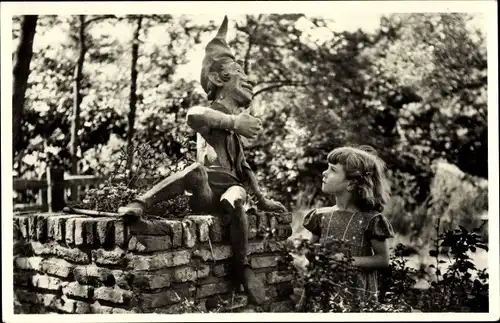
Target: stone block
(160,299)
(55,249)
(28,263)
(218,252)
(276,277)
(82,307)
(46,282)
(32,226)
(23,226)
(263,262)
(121,234)
(175,232)
(109,257)
(75,289)
(113,294)
(220,270)
(60,227)
(284,231)
(23,279)
(187,273)
(262,223)
(188,233)
(80,236)
(154,280)
(159,261)
(283,218)
(212,289)
(255,247)
(70,231)
(142,243)
(122,278)
(216,230)
(97,308)
(41,227)
(150,227)
(105,230)
(92,274)
(281,307)
(57,267)
(252,226)
(273,224)
(203,223)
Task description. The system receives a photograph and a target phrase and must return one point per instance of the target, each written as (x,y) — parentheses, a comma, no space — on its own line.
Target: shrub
(327,282)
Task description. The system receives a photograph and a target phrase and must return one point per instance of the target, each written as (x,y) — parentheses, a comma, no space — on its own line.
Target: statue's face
(236,85)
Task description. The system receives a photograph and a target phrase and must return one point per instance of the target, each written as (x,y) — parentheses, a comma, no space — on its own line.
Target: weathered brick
(273,246)
(154,280)
(263,261)
(54,249)
(60,227)
(262,277)
(283,218)
(78,290)
(187,273)
(160,260)
(32,226)
(220,252)
(57,267)
(28,263)
(188,233)
(82,307)
(175,232)
(117,310)
(91,273)
(23,278)
(203,223)
(276,277)
(105,231)
(216,229)
(109,257)
(22,248)
(121,278)
(281,307)
(46,282)
(149,243)
(113,294)
(212,289)
(51,226)
(262,223)
(255,247)
(252,226)
(220,270)
(80,235)
(70,231)
(284,230)
(271,292)
(150,227)
(27,296)
(273,224)
(121,234)
(97,308)
(160,299)
(23,226)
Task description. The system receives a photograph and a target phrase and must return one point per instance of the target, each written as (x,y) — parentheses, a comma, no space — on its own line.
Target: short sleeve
(312,222)
(379,228)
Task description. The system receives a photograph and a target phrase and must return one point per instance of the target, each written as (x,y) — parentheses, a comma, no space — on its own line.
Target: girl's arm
(379,260)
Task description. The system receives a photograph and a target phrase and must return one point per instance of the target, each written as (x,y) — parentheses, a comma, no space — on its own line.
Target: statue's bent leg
(233,201)
(193,178)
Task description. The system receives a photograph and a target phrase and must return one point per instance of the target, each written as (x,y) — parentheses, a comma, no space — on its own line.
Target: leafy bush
(327,281)
(124,184)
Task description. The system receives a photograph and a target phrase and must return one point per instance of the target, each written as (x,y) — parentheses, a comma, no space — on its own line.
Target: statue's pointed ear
(215,78)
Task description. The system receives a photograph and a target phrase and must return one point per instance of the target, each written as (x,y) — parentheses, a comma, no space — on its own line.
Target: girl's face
(334,181)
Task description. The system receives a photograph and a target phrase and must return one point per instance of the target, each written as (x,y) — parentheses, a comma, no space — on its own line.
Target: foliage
(328,280)
(123,185)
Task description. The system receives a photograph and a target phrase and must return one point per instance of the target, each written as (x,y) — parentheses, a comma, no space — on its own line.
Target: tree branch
(279,85)
(250,43)
(99,18)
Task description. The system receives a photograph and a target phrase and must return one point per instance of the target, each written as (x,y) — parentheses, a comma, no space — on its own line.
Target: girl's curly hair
(366,169)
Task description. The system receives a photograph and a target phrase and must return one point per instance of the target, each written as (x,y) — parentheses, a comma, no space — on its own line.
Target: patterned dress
(356,229)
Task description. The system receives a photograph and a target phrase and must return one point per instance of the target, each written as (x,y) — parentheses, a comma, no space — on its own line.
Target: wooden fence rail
(55,188)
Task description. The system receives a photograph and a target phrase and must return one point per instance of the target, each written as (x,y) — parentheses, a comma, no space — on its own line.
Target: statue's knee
(235,196)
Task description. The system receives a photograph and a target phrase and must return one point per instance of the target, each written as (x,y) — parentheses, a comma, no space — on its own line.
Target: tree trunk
(133,96)
(77,99)
(21,70)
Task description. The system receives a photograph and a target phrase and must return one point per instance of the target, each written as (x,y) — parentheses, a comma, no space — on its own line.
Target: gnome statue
(220,178)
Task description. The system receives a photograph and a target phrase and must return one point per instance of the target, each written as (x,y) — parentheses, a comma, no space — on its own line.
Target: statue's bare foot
(133,210)
(254,287)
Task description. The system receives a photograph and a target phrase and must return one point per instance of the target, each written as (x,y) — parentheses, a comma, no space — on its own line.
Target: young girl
(355,176)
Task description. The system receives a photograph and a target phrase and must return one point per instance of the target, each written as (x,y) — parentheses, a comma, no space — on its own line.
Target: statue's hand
(271,205)
(247,125)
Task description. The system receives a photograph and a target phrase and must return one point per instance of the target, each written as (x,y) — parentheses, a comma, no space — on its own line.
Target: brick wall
(68,263)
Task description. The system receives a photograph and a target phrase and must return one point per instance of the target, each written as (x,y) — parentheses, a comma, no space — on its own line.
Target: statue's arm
(202,119)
